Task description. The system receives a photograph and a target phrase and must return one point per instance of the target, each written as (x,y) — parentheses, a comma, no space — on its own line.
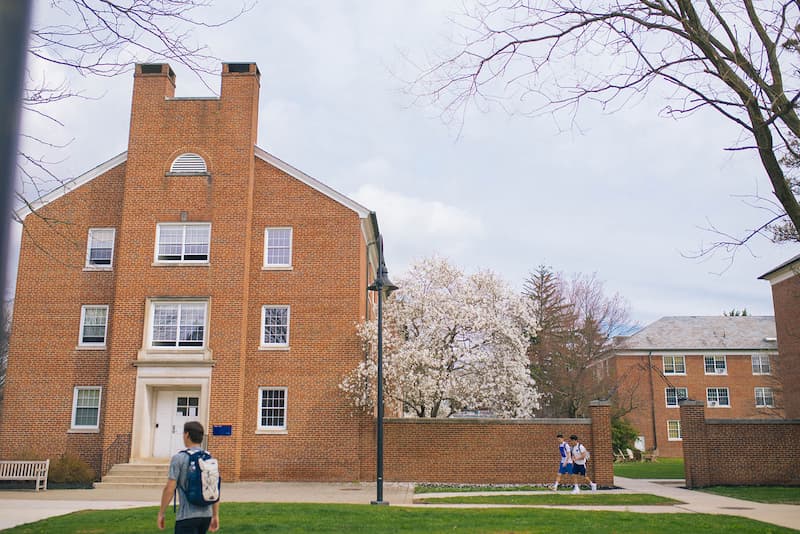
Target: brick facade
(642,383)
(244,192)
(738,452)
(785,282)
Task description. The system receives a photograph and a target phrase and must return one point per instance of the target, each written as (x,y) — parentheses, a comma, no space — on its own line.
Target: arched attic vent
(189,163)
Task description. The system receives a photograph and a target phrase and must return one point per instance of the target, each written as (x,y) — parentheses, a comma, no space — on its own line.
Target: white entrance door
(173,409)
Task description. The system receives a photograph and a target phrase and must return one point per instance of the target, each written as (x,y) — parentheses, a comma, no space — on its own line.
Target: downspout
(373,242)
(652,399)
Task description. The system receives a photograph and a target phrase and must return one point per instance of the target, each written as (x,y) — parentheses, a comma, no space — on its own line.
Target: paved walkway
(18,507)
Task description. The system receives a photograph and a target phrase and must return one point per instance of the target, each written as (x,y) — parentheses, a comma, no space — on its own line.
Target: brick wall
(45,362)
(786,300)
(489,451)
(738,452)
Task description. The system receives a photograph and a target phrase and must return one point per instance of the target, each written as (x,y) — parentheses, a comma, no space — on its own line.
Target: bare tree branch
(736,58)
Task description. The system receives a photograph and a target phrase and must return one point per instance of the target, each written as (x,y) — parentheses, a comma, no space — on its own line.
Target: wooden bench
(35,470)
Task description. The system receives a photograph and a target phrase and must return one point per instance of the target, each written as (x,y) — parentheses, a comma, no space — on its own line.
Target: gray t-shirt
(178,469)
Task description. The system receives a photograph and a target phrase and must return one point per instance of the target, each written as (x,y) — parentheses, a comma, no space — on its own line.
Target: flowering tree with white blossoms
(451,342)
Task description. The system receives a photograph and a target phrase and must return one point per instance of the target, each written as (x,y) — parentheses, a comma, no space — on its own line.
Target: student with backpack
(579,458)
(195,476)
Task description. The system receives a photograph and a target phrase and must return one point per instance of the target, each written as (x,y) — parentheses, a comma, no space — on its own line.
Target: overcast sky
(625,195)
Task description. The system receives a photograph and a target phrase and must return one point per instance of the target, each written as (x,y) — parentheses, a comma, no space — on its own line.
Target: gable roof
(704,333)
(311,182)
(783,271)
(119,159)
(71,185)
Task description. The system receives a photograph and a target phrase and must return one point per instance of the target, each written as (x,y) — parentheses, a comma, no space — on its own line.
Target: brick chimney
(153,80)
(241,83)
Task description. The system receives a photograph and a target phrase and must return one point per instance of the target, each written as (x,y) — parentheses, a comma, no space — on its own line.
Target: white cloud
(415,227)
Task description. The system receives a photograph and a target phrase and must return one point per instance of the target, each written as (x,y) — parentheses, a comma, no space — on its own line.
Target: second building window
(275,326)
(183,243)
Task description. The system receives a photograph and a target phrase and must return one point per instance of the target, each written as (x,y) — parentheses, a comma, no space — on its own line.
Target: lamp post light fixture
(384,287)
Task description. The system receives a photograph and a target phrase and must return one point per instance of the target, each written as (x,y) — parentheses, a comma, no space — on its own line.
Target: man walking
(565,465)
(579,457)
(191,519)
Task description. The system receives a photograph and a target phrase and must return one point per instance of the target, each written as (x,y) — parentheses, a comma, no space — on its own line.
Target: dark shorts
(193,525)
(578,469)
(564,469)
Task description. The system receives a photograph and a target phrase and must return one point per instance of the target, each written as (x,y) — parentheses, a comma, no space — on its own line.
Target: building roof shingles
(704,333)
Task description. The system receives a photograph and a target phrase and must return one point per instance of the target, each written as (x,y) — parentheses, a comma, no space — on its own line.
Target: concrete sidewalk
(785,515)
(18,507)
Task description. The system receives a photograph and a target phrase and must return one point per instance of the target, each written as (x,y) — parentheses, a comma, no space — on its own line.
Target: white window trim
(275,346)
(183,225)
(197,165)
(85,428)
(717,404)
(759,356)
(678,399)
(88,266)
(278,266)
(715,356)
(755,392)
(151,316)
(672,373)
(81,343)
(669,438)
(273,429)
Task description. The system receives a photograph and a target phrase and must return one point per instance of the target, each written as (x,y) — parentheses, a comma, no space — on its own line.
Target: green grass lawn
(663,468)
(469,488)
(597,499)
(767,494)
(359,518)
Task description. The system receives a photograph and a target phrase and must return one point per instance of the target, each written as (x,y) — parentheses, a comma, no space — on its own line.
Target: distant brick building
(785,282)
(728,363)
(193,277)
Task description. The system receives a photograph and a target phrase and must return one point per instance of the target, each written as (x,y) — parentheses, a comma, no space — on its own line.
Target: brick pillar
(695,444)
(602,461)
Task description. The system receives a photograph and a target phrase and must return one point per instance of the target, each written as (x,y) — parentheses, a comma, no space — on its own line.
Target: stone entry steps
(135,475)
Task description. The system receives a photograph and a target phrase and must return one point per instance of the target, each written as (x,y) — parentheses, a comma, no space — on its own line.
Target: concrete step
(136,479)
(143,469)
(129,485)
(135,475)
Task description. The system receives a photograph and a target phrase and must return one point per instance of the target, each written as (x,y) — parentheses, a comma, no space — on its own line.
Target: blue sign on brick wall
(221,430)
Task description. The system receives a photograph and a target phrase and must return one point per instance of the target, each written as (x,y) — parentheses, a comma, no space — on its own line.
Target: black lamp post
(382,285)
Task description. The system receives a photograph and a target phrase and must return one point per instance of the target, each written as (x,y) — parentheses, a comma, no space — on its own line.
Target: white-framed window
(100,248)
(674,395)
(183,243)
(180,324)
(718,397)
(86,407)
(189,163)
(94,326)
(271,408)
(275,326)
(277,247)
(764,398)
(674,430)
(761,365)
(674,365)
(716,365)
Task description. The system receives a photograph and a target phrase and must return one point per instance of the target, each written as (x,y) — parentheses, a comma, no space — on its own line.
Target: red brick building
(194,276)
(785,282)
(728,363)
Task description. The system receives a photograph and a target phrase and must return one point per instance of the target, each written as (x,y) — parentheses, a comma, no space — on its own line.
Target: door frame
(150,380)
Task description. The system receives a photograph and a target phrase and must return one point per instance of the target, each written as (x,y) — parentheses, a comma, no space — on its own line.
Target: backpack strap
(175,494)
